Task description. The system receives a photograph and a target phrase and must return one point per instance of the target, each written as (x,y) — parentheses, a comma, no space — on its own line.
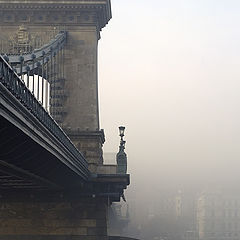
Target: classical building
(218,216)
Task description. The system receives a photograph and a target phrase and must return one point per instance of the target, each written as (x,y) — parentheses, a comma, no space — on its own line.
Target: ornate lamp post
(121,155)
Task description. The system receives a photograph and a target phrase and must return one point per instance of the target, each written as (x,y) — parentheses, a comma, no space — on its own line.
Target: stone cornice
(101,7)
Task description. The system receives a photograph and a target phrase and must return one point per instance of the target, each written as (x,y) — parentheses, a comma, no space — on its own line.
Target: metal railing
(10,79)
(42,69)
(27,62)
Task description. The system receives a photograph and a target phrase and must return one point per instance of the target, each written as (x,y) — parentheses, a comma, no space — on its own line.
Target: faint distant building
(218,216)
(166,216)
(190,235)
(118,219)
(167,206)
(178,204)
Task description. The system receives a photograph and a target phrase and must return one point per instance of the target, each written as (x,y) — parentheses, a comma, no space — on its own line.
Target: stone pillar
(81,122)
(80,66)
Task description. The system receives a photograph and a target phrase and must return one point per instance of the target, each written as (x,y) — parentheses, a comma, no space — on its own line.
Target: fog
(169,72)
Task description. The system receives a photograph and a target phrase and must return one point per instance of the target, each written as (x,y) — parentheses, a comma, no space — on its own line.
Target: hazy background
(169,71)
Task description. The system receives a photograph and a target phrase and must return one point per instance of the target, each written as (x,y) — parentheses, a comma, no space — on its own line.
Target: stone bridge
(53,183)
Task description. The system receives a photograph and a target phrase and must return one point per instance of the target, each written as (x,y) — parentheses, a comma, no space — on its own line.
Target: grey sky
(169,71)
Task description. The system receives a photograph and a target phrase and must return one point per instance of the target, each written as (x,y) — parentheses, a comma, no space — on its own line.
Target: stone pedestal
(89,143)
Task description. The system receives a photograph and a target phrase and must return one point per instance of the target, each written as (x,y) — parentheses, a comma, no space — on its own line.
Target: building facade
(218,216)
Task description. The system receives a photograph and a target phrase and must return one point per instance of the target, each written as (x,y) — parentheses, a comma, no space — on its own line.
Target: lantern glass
(121,131)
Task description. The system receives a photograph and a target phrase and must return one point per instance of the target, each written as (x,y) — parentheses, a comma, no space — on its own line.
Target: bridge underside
(24,164)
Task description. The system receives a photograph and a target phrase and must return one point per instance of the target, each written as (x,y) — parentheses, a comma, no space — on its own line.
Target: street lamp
(121,131)
(121,155)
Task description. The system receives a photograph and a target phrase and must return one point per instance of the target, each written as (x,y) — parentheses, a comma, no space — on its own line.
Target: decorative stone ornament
(121,162)
(67,12)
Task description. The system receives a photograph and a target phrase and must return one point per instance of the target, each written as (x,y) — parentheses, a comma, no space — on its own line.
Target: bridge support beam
(58,219)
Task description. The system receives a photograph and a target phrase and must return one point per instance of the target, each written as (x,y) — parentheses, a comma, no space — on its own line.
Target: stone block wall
(89,143)
(78,219)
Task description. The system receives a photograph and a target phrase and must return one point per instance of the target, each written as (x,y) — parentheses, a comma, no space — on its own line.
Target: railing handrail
(37,55)
(10,79)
